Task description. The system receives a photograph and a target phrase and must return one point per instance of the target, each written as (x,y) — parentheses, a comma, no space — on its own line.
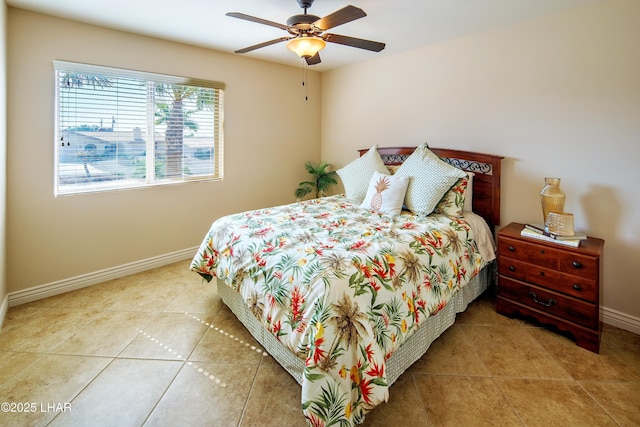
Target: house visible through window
(121,129)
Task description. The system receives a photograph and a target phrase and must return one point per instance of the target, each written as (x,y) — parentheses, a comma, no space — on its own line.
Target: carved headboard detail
(486,181)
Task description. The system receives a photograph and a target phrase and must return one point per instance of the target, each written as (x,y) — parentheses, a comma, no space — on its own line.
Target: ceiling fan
(307,32)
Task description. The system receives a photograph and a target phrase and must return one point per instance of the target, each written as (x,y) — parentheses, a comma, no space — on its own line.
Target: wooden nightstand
(554,284)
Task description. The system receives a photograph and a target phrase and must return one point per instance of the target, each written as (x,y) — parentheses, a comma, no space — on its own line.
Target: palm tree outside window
(122,129)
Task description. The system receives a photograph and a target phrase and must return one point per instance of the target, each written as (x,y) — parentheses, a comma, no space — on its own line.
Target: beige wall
(3,162)
(557,96)
(270,131)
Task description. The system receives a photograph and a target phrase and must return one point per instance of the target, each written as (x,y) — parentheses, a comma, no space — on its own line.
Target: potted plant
(322,180)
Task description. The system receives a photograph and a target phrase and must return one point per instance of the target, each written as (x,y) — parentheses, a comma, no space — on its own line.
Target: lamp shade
(305,46)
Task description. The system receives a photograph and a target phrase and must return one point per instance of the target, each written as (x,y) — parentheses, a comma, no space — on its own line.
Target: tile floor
(160,349)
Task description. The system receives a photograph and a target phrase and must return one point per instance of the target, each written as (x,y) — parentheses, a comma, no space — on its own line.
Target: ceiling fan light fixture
(306,46)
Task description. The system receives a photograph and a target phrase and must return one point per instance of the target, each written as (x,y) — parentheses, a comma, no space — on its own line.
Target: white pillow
(356,175)
(431,178)
(468,193)
(386,193)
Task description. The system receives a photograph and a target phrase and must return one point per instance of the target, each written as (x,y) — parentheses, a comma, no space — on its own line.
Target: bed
(345,295)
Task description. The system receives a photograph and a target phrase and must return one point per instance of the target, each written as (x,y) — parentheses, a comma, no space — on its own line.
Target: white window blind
(120,129)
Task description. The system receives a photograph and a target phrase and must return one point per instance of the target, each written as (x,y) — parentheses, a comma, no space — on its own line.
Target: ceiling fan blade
(258,20)
(315,59)
(339,17)
(354,42)
(264,44)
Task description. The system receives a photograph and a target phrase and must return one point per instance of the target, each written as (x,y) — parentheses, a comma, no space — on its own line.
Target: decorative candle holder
(560,223)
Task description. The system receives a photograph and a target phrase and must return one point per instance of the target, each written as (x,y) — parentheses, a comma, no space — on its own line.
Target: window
(120,129)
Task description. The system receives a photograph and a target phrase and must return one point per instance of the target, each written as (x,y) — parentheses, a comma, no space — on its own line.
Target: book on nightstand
(541,230)
(527,232)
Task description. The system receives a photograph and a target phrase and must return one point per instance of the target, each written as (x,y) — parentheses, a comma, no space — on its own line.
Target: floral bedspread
(342,287)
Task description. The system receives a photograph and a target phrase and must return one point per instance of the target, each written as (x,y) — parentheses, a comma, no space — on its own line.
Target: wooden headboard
(486,181)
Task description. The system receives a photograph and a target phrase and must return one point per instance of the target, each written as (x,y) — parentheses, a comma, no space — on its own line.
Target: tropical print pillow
(453,202)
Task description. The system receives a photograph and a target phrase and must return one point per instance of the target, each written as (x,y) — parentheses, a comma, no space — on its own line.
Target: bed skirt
(412,350)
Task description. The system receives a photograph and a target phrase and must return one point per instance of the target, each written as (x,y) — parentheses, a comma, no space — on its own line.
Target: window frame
(150,106)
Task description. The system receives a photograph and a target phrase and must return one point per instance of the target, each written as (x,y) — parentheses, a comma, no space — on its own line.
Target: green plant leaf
(322,182)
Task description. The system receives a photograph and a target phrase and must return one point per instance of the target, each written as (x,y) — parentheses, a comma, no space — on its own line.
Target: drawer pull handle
(546,304)
(512,249)
(542,273)
(542,251)
(576,264)
(577,287)
(512,268)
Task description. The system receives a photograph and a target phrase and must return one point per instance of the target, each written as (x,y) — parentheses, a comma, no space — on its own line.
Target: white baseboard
(84,280)
(621,320)
(3,309)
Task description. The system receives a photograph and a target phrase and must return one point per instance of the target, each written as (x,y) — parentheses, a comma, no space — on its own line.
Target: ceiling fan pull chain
(304,79)
(306,86)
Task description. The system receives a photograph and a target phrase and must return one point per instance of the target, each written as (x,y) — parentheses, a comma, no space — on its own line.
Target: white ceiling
(401,24)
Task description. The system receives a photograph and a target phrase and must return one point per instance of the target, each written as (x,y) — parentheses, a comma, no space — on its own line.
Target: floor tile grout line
(155,406)
(184,363)
(40,356)
(597,402)
(51,351)
(515,411)
(425,409)
(533,339)
(139,329)
(210,325)
(469,341)
(496,379)
(64,327)
(204,332)
(253,385)
(192,364)
(86,385)
(186,356)
(550,354)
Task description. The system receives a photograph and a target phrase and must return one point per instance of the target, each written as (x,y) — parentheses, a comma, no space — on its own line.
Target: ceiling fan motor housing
(302,22)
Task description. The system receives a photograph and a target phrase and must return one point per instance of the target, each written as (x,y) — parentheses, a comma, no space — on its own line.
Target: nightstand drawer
(530,252)
(512,248)
(584,266)
(552,303)
(543,255)
(512,268)
(576,286)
